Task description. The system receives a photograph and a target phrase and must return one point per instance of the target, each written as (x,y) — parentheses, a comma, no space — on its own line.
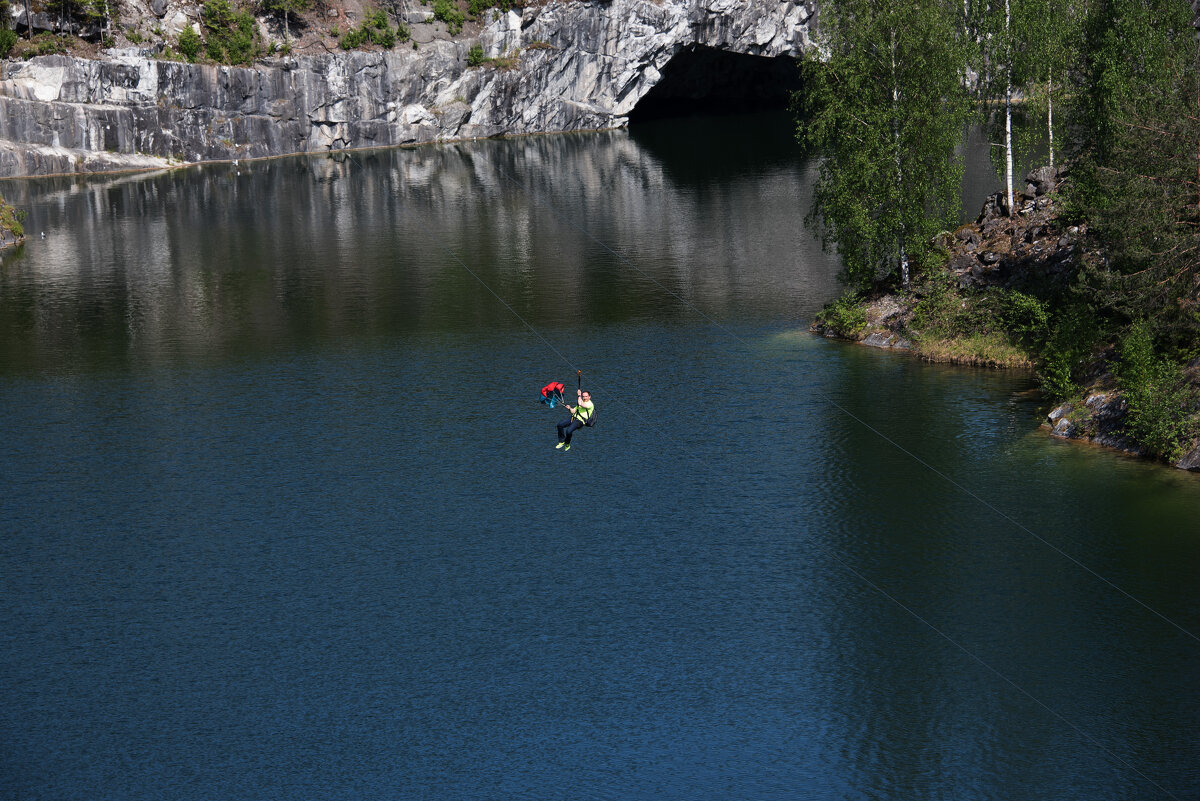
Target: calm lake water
(281,518)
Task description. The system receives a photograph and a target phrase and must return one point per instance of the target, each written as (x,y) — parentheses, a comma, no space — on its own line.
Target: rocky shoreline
(1029,249)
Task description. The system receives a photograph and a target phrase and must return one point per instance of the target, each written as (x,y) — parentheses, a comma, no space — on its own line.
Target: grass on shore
(984,349)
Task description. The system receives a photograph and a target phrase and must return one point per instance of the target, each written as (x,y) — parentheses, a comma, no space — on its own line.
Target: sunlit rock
(574,66)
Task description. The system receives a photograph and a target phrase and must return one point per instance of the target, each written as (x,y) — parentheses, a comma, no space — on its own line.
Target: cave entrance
(706,80)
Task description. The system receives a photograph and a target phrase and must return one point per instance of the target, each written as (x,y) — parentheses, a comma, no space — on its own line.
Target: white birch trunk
(1050,114)
(1008,148)
(899,167)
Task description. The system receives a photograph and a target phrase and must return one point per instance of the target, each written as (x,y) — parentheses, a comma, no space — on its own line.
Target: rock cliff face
(579,66)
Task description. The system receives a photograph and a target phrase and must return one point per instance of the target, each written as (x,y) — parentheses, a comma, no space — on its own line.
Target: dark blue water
(282,519)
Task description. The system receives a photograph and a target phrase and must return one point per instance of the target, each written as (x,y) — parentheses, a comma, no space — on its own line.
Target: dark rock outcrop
(1100,418)
(1027,250)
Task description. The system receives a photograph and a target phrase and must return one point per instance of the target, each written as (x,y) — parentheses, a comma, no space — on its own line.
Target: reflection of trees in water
(236,258)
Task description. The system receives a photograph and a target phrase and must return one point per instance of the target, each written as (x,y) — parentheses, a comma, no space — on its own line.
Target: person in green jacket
(580,415)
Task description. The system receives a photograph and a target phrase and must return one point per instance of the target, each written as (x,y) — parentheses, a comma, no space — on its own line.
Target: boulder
(1059,412)
(176,21)
(1190,460)
(993,207)
(968,235)
(962,263)
(1041,181)
(1063,428)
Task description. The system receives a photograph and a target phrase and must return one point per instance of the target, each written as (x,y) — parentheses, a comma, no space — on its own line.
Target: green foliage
(8,39)
(46,44)
(1002,327)
(85,11)
(230,37)
(1073,336)
(945,312)
(448,12)
(189,43)
(284,8)
(374,30)
(353,38)
(1161,403)
(475,56)
(1025,318)
(384,37)
(845,316)
(1021,50)
(1053,31)
(374,18)
(884,105)
(475,8)
(939,310)
(10,219)
(1136,134)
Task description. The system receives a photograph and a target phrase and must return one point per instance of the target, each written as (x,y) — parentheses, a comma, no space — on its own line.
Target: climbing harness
(590,419)
(552,395)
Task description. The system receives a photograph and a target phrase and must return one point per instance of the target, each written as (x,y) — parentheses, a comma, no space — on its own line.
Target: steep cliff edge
(570,66)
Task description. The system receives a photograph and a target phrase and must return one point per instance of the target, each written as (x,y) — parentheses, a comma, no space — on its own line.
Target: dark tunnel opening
(703,80)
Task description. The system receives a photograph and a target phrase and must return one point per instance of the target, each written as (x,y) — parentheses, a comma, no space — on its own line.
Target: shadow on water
(747,143)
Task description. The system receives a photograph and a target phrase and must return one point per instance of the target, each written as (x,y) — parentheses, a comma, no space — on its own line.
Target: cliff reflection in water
(235,259)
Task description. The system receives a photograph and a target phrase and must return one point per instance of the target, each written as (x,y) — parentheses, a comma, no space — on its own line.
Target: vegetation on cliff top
(1116,84)
(231,31)
(11,229)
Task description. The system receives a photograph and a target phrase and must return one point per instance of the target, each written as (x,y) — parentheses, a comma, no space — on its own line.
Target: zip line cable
(967,491)
(863,578)
(976,658)
(442,245)
(517,314)
(858,574)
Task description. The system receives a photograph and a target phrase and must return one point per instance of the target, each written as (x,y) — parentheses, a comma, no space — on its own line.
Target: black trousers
(568,427)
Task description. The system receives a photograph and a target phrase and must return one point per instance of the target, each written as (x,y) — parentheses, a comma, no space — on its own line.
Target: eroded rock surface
(579,66)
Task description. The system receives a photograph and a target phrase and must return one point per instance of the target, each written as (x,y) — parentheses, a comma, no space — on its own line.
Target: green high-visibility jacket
(583,413)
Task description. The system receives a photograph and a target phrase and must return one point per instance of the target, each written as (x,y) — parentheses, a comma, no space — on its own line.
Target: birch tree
(883,103)
(285,9)
(997,66)
(1051,30)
